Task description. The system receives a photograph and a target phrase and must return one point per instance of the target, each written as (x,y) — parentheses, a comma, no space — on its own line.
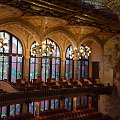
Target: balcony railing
(26,96)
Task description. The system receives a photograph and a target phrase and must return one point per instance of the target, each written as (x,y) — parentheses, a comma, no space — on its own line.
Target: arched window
(69,64)
(83,67)
(50,63)
(11,58)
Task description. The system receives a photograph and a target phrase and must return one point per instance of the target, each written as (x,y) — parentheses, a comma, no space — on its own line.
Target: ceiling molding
(76,14)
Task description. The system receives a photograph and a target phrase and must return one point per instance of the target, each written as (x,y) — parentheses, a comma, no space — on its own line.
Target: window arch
(50,63)
(11,59)
(69,64)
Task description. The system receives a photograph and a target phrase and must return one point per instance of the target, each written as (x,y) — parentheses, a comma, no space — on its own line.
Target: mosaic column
(37,108)
(24,108)
(26,66)
(63,68)
(74,103)
(89,102)
(62,103)
(39,65)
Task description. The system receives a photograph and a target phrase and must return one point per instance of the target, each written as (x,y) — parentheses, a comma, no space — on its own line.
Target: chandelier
(3,43)
(83,51)
(46,48)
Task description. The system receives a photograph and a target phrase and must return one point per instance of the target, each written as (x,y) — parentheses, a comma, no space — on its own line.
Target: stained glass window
(84,100)
(11,59)
(32,108)
(46,104)
(10,110)
(50,63)
(57,103)
(33,68)
(68,103)
(4,112)
(52,104)
(69,66)
(42,105)
(83,68)
(78,100)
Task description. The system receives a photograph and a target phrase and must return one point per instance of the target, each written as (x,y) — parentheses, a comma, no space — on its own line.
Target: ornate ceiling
(95,13)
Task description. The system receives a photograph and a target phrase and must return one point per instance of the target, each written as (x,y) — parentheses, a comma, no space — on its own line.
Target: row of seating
(86,114)
(25,116)
(51,83)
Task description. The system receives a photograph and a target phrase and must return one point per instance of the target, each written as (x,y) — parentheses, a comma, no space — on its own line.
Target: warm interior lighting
(83,51)
(3,43)
(44,48)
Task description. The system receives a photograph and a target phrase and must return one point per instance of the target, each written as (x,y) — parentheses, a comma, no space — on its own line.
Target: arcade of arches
(17,62)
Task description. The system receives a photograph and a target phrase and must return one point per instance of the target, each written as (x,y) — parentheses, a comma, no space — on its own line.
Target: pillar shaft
(24,108)
(74,104)
(63,68)
(75,65)
(62,104)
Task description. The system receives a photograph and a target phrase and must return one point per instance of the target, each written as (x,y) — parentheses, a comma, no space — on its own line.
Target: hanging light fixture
(83,51)
(3,43)
(42,48)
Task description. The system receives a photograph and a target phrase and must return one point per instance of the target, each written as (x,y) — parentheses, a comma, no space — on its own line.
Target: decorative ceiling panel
(7,11)
(45,22)
(95,13)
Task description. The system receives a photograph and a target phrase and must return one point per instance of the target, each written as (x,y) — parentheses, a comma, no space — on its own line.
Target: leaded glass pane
(36,70)
(19,68)
(6,67)
(7,36)
(42,106)
(1,67)
(78,101)
(32,60)
(52,104)
(31,107)
(14,70)
(67,53)
(11,61)
(53,70)
(57,103)
(58,52)
(69,64)
(12,110)
(19,48)
(4,111)
(18,107)
(14,45)
(46,104)
(2,35)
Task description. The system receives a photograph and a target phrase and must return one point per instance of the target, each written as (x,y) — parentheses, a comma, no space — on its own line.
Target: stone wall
(114,110)
(110,104)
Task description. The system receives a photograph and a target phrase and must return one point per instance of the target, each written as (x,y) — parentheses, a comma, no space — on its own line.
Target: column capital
(76,55)
(63,59)
(75,59)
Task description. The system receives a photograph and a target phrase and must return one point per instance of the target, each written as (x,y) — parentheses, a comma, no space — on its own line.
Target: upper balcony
(28,96)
